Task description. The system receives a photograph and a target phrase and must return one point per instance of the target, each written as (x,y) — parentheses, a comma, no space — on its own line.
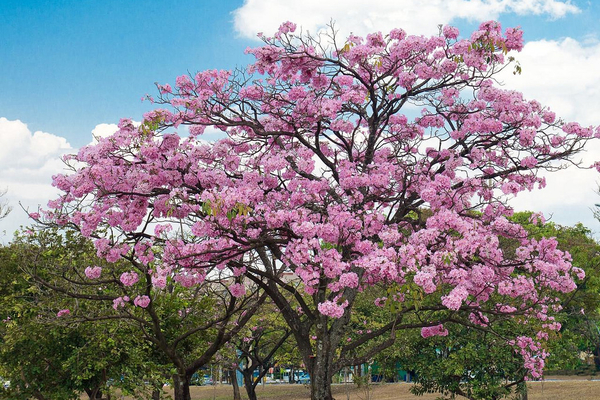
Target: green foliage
(477,363)
(172,336)
(468,362)
(580,319)
(51,357)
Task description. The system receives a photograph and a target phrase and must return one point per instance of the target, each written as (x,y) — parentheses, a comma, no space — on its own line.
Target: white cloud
(102,131)
(361,17)
(19,148)
(27,162)
(563,76)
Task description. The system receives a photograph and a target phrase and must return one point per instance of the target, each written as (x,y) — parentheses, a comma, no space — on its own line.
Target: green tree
(477,363)
(580,317)
(258,346)
(185,325)
(40,354)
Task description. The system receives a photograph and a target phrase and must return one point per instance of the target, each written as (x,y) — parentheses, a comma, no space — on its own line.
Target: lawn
(580,388)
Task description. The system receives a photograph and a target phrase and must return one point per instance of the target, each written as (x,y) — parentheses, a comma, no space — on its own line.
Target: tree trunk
(236,388)
(94,394)
(596,354)
(181,387)
(39,395)
(156,393)
(524,394)
(249,385)
(320,387)
(521,391)
(320,371)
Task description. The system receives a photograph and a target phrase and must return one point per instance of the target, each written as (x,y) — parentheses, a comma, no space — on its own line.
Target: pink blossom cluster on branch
(437,330)
(93,272)
(142,301)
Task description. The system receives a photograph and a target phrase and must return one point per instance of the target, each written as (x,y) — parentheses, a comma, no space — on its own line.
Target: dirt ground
(554,388)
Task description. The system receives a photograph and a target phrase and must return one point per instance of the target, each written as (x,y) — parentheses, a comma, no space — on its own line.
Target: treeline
(73,323)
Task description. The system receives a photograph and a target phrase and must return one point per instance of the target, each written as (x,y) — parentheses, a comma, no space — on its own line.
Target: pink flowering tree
(343,164)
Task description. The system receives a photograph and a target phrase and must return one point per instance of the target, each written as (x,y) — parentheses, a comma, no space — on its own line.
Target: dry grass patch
(571,388)
(399,391)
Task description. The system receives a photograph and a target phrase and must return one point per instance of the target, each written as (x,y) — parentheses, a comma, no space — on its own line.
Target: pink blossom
(397,34)
(64,312)
(580,273)
(120,302)
(159,281)
(164,89)
(529,162)
(380,301)
(237,290)
(287,27)
(514,39)
(129,278)
(142,301)
(332,309)
(455,298)
(93,272)
(450,32)
(436,330)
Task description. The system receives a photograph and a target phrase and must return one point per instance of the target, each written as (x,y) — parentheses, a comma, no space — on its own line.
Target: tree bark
(320,371)
(524,395)
(320,387)
(94,394)
(181,387)
(596,354)
(249,385)
(236,388)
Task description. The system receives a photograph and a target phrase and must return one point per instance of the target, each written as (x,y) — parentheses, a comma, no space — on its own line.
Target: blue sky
(70,67)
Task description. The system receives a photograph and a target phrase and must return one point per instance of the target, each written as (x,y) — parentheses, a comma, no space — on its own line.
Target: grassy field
(579,388)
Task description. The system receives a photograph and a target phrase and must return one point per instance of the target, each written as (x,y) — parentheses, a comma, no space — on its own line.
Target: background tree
(44,357)
(324,171)
(467,362)
(479,365)
(185,324)
(258,345)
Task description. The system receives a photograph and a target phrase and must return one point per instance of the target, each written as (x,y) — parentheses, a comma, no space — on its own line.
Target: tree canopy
(385,160)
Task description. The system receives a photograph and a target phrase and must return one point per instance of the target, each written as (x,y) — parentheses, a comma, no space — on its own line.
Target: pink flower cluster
(93,272)
(332,309)
(120,302)
(237,290)
(129,278)
(436,330)
(142,301)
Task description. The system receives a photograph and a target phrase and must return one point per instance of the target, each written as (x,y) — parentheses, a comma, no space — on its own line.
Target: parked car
(303,379)
(199,380)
